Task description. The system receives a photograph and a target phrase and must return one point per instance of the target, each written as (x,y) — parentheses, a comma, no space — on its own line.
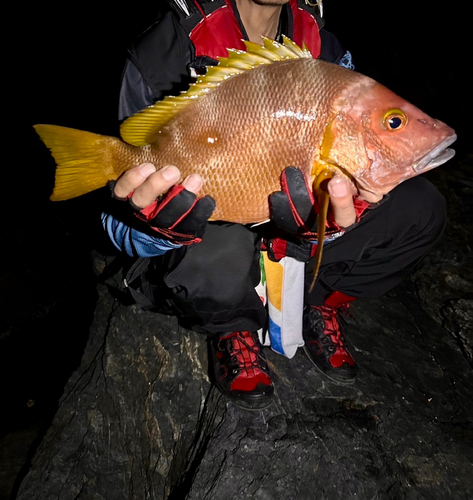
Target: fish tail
(83,160)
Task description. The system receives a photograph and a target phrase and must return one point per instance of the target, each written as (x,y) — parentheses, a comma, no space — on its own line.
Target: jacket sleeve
(132,242)
(135,94)
(158,65)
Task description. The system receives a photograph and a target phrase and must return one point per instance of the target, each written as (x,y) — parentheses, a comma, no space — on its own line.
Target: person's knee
(417,201)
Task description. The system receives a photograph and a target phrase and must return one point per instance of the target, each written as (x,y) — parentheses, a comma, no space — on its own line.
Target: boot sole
(249,401)
(325,374)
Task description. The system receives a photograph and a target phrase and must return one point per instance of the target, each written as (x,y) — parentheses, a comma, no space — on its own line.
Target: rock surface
(139,419)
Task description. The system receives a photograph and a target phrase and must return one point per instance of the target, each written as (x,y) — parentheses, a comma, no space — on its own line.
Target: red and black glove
(178,216)
(294,209)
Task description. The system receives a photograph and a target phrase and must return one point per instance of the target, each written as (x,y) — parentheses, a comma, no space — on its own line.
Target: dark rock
(459,321)
(139,418)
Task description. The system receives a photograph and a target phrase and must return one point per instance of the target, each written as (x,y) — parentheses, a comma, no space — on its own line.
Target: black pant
(212,284)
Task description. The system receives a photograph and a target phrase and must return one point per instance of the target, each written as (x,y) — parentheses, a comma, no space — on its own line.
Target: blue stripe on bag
(276,338)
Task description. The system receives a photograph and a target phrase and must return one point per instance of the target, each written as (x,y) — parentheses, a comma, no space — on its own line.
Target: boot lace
(245,351)
(333,335)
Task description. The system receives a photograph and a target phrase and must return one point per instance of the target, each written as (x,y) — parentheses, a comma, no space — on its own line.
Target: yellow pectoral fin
(323,174)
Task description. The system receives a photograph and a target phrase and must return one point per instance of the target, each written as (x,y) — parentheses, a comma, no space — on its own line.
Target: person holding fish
(204,262)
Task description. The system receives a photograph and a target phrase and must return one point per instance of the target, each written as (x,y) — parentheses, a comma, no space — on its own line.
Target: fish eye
(394,120)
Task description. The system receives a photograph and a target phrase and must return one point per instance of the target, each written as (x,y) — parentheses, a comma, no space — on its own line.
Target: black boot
(240,369)
(324,339)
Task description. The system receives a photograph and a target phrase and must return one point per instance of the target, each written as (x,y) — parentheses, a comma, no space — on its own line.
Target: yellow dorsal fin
(143,127)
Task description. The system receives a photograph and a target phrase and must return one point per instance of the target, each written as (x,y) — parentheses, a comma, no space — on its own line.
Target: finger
(193,183)
(132,178)
(369,197)
(281,212)
(195,222)
(341,198)
(153,186)
(174,207)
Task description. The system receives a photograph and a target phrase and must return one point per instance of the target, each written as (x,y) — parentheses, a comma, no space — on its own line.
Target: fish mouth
(438,156)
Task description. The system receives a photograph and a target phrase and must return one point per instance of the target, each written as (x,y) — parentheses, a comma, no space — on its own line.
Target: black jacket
(165,59)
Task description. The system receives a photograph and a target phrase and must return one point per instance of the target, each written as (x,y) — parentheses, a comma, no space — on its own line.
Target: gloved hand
(172,210)
(294,210)
(178,216)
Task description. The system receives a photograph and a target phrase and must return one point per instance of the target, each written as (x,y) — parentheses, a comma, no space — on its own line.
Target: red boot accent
(337,299)
(323,337)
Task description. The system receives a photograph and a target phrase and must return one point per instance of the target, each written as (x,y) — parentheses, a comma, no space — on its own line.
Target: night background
(63,67)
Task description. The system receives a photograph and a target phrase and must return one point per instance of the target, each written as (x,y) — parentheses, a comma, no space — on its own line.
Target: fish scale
(248,138)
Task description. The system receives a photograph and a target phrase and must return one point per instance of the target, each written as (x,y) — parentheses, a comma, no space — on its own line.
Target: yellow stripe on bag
(274,281)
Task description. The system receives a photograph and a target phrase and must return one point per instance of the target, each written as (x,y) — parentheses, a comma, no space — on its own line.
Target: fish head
(379,140)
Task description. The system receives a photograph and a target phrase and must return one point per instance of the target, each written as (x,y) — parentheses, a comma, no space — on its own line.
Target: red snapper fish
(255,113)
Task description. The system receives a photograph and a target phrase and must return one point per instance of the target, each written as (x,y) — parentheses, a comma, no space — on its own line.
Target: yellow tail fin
(81,159)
